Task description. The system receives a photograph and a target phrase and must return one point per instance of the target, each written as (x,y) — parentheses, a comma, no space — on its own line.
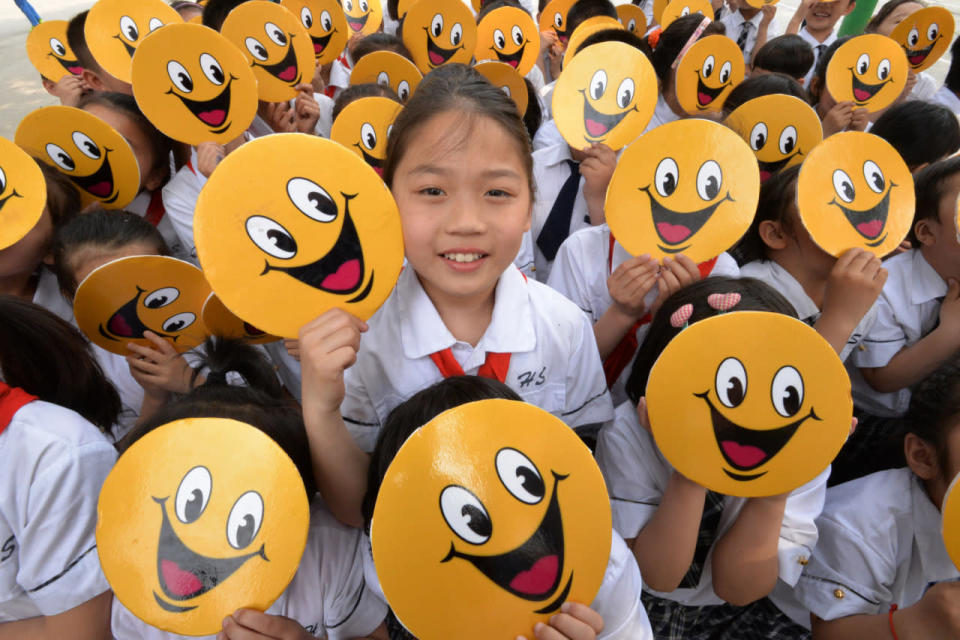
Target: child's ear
(921,457)
(92,80)
(772,234)
(48,84)
(850,7)
(925,231)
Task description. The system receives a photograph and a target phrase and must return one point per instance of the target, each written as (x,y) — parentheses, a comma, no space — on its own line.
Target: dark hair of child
(776,196)
(923,132)
(674,38)
(216,11)
(379,42)
(935,409)
(789,54)
(952,81)
(884,12)
(533,117)
(78,42)
(357,91)
(583,10)
(63,199)
(617,35)
(818,83)
(489,5)
(763,85)
(930,185)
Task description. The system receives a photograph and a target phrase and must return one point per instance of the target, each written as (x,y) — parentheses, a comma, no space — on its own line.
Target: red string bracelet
(893,631)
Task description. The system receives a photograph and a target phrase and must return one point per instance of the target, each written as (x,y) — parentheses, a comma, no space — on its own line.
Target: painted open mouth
(512,59)
(184,574)
(13,194)
(373,161)
(126,45)
(319,44)
(286,69)
(674,227)
(125,324)
(72,66)
(438,55)
(870,223)
(357,24)
(252,331)
(706,95)
(746,449)
(916,57)
(770,169)
(597,124)
(212,113)
(863,92)
(100,183)
(533,570)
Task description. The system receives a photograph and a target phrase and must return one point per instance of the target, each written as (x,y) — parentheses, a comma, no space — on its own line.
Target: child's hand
(854,284)
(319,81)
(574,622)
(768,11)
(353,41)
(279,115)
(68,89)
(675,274)
(859,119)
(159,369)
(838,118)
(936,615)
(597,167)
(950,309)
(306,109)
(293,348)
(209,155)
(630,283)
(247,624)
(548,39)
(328,346)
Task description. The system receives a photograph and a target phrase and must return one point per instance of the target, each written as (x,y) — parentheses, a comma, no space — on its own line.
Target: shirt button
(838,594)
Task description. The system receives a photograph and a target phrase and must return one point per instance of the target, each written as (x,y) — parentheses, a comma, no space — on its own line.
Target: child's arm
(793,27)
(628,285)
(597,168)
(854,284)
(574,622)
(68,89)
(88,621)
(763,31)
(306,109)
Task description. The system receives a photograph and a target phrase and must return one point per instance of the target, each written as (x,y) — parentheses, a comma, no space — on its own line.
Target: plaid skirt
(761,620)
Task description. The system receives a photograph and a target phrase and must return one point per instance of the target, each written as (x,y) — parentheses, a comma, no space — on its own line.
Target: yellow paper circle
(633,19)
(506,78)
(584,30)
(869,70)
(925,35)
(696,198)
(291,225)
(388,69)
(363,16)
(439,31)
(509,35)
(658,7)
(326,25)
(23,193)
(780,129)
(84,148)
(554,18)
(854,190)
(275,44)
(680,8)
(760,4)
(607,94)
(707,73)
(511,522)
(121,299)
(194,85)
(201,517)
(50,53)
(220,321)
(363,126)
(950,525)
(115,28)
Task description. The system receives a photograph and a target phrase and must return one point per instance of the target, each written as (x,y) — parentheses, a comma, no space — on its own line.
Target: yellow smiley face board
(707,73)
(749,403)
(633,19)
(950,525)
(854,190)
(515,521)
(326,25)
(50,53)
(23,193)
(697,198)
(388,69)
(554,18)
(363,127)
(363,16)
(198,518)
(194,85)
(509,35)
(115,28)
(679,8)
(658,8)
(780,129)
(925,35)
(86,149)
(507,80)
(607,94)
(439,31)
(760,4)
(220,321)
(291,225)
(869,70)
(276,45)
(583,31)
(120,300)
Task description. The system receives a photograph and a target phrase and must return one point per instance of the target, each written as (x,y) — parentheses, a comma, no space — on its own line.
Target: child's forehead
(454,133)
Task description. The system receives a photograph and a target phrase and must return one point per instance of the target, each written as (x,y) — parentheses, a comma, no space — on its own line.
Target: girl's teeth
(462,257)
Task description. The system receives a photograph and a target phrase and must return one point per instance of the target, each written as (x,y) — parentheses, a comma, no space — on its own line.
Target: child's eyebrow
(432,169)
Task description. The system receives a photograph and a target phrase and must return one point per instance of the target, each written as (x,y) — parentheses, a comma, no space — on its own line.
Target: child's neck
(943,269)
(466,317)
(21,285)
(748,14)
(812,280)
(820,35)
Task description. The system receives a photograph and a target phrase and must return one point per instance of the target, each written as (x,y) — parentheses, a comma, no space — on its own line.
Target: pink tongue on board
(514,63)
(379,171)
(539,578)
(435,57)
(595,128)
(743,455)
(764,175)
(288,74)
(915,60)
(870,229)
(356,25)
(703,98)
(317,47)
(101,189)
(346,277)
(673,233)
(119,327)
(75,70)
(214,117)
(179,582)
(861,95)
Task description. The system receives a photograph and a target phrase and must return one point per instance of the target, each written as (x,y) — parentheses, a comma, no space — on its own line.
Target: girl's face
(897,16)
(151,174)
(464,198)
(24,256)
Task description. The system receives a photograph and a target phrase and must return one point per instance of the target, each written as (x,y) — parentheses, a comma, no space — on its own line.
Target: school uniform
(744,32)
(547,135)
(585,261)
(538,343)
(947,98)
(662,114)
(925,88)
(819,48)
(52,464)
(49,296)
(117,371)
(546,99)
(180,200)
(524,260)
(150,206)
(327,595)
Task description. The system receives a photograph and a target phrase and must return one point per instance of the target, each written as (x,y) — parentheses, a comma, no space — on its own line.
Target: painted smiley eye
(179,76)
(368,136)
(212,69)
(913,38)
(161,297)
(684,12)
(383,79)
(347,6)
(758,136)
(558,20)
(326,21)
(128,28)
(786,392)
(456,33)
(306,17)
(709,180)
(60,157)
(436,25)
(193,494)
(632,25)
(499,40)
(389,131)
(154,24)
(276,34)
(178,322)
(625,93)
(874,176)
(256,48)
(731,383)
(403,90)
(57,47)
(788,140)
(520,476)
(86,146)
(517,34)
(506,91)
(312,200)
(598,84)
(843,186)
(465,515)
(708,64)
(244,520)
(726,71)
(883,69)
(933,31)
(3,181)
(863,63)
(364,6)
(271,238)
(666,177)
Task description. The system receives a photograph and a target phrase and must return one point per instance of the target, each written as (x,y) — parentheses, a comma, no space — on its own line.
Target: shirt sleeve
(883,340)
(179,201)
(618,599)
(358,411)
(566,277)
(587,398)
(799,533)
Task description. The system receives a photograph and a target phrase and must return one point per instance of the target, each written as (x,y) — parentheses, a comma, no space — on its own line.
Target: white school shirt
(547,135)
(140,205)
(327,596)
(947,98)
(48,295)
(814,43)
(662,114)
(554,365)
(524,260)
(925,88)
(117,371)
(52,464)
(908,309)
(550,171)
(637,476)
(180,200)
(580,273)
(734,22)
(782,281)
(880,544)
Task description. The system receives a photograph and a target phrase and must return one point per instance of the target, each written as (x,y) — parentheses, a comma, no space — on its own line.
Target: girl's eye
(276,34)
(57,47)
(517,34)
(788,140)
(312,200)
(725,71)
(326,21)
(155,23)
(843,186)
(193,494)
(708,65)
(874,176)
(179,76)
(456,32)
(933,31)
(60,157)
(256,49)
(786,392)
(161,297)
(666,177)
(306,17)
(883,69)
(625,93)
(87,146)
(432,191)
(499,40)
(731,383)
(598,84)
(368,136)
(465,515)
(758,136)
(244,520)
(863,63)
(271,238)
(436,26)
(129,28)
(709,180)
(520,476)
(178,322)
(211,68)
(913,37)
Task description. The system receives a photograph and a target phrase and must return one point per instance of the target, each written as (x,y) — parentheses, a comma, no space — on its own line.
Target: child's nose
(466,216)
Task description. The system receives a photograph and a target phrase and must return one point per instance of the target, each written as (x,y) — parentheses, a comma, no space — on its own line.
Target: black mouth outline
(210,571)
(698,218)
(13,193)
(925,52)
(446,54)
(547,540)
(221,100)
(713,93)
(611,120)
(103,174)
(66,64)
(872,89)
(123,41)
(362,20)
(879,210)
(323,41)
(512,59)
(289,59)
(373,161)
(346,248)
(774,167)
(128,311)
(252,331)
(770,441)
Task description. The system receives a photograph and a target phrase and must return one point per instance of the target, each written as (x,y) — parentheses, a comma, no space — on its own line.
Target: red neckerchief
(12,400)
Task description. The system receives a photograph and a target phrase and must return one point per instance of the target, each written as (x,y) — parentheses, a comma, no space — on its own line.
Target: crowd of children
(513,287)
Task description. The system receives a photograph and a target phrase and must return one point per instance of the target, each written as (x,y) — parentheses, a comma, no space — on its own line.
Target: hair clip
(723,301)
(679,318)
(690,42)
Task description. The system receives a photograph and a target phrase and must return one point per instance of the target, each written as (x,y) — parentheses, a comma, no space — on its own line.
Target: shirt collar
(925,283)
(555,154)
(934,559)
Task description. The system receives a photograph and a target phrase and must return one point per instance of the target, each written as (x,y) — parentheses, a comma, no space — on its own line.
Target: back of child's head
(887,8)
(755,295)
(778,196)
(923,132)
(674,38)
(100,233)
(763,85)
(935,410)
(187,9)
(78,42)
(533,116)
(216,11)
(417,411)
(952,81)
(788,54)
(583,10)
(616,35)
(259,402)
(63,199)
(379,41)
(49,358)
(818,82)
(931,185)
(357,91)
(489,5)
